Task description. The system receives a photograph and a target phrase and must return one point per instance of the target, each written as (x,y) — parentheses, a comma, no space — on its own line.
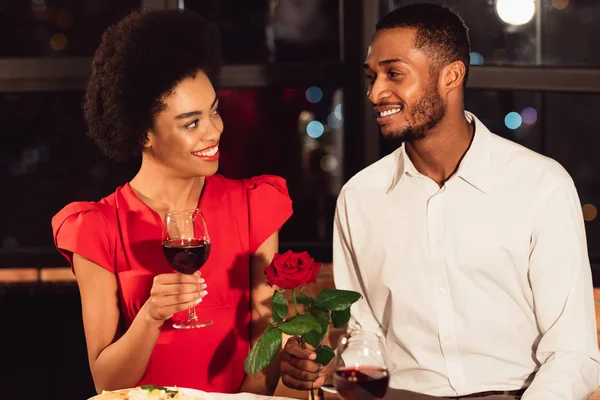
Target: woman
(150,93)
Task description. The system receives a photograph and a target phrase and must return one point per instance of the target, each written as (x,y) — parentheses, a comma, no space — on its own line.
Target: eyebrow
(387,62)
(195,113)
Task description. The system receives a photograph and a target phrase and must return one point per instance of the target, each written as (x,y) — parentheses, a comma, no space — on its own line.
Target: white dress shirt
(482,284)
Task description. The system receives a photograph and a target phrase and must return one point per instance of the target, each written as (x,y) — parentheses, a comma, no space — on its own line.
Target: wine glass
(186,246)
(361,367)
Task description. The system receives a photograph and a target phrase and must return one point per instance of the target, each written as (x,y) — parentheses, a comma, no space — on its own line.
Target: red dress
(123,235)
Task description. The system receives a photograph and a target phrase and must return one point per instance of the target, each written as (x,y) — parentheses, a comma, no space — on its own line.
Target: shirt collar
(473,168)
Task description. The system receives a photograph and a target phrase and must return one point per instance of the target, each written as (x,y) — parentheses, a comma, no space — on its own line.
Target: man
(469,249)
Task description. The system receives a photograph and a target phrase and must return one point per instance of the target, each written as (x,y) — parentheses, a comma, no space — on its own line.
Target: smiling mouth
(210,153)
(386,116)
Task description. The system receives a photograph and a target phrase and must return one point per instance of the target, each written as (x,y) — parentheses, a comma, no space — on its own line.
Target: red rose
(290,270)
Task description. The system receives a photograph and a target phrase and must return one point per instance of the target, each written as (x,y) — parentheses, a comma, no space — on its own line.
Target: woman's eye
(192,125)
(215,112)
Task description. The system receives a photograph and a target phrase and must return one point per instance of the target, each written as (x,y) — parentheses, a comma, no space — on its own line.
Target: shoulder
(260,183)
(376,178)
(532,169)
(96,215)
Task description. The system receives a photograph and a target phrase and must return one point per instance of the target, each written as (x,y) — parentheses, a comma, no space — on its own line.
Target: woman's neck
(162,191)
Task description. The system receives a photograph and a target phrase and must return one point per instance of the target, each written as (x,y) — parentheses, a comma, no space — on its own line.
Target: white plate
(193,393)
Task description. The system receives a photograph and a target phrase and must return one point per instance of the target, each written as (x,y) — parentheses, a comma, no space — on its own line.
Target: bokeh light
(59,42)
(333,121)
(476,58)
(314,94)
(515,12)
(338,112)
(315,129)
(513,120)
(529,116)
(560,4)
(590,212)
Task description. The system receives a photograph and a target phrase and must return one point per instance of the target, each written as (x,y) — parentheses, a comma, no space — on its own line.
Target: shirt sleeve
(82,228)
(561,281)
(347,275)
(269,207)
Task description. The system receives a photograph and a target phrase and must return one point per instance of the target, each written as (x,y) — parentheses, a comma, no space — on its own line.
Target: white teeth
(389,112)
(207,153)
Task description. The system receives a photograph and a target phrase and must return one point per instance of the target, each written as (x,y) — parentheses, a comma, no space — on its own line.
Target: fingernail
(203,293)
(312,356)
(201,280)
(198,302)
(204,286)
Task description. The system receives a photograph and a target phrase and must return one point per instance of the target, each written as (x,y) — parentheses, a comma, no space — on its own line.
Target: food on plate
(147,392)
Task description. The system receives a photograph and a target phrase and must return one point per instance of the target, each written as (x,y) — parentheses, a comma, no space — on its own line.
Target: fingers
(167,312)
(172,293)
(174,289)
(182,298)
(298,368)
(170,279)
(302,363)
(292,381)
(299,373)
(294,348)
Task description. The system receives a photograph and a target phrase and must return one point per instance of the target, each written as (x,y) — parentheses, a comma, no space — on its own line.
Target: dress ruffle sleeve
(269,206)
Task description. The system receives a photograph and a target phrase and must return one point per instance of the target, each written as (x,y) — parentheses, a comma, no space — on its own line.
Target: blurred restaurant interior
(293,102)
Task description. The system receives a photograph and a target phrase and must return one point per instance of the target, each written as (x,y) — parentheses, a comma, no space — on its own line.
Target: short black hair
(140,60)
(440,32)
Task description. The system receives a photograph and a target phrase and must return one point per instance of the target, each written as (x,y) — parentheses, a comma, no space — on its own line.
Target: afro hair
(140,60)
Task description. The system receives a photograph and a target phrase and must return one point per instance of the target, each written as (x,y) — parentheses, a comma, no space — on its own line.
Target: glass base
(193,323)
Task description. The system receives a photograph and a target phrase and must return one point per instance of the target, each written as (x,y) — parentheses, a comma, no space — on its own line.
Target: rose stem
(295,301)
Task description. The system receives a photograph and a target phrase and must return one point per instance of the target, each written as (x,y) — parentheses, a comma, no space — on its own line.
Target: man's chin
(391,132)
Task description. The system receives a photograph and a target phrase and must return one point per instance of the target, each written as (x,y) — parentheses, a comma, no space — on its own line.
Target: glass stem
(192,314)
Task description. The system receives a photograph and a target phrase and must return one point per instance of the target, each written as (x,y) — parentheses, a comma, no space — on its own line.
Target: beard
(422,117)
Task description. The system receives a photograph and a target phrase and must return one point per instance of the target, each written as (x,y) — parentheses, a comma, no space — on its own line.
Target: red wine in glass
(361,383)
(186,246)
(186,256)
(361,367)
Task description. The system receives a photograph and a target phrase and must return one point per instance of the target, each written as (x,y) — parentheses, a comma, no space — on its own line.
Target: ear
(149,139)
(452,76)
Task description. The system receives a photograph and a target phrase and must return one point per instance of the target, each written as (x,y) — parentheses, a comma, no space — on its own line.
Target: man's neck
(438,155)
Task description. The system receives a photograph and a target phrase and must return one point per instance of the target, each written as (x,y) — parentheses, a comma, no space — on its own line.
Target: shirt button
(441,290)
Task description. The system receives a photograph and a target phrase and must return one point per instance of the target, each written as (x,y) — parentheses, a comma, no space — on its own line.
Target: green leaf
(324,354)
(340,318)
(322,316)
(304,299)
(314,338)
(337,300)
(280,306)
(300,325)
(263,352)
(169,392)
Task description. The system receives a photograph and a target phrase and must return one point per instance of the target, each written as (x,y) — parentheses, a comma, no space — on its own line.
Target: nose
(213,131)
(377,91)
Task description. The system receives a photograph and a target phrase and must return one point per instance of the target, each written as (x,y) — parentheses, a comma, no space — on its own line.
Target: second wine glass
(361,367)
(186,245)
